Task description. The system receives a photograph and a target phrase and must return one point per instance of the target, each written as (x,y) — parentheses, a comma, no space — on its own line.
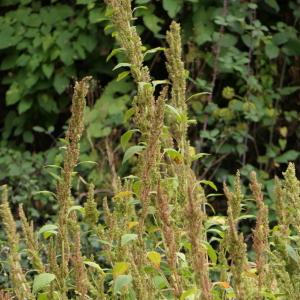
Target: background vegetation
(242,61)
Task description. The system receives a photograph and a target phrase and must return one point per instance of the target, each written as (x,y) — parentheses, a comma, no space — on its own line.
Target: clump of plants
(153,239)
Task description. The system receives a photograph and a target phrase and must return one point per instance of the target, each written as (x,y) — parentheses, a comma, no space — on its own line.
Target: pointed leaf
(155,258)
(130,152)
(42,281)
(128,237)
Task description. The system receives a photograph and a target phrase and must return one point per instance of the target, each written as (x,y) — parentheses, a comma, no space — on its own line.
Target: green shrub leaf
(42,281)
(120,282)
(128,237)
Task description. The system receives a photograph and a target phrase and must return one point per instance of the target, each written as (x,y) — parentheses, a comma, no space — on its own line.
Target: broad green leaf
(125,138)
(76,208)
(114,52)
(188,293)
(42,281)
(120,268)
(174,154)
(288,156)
(272,51)
(97,15)
(60,82)
(24,105)
(48,69)
(128,237)
(288,90)
(211,252)
(155,258)
(210,183)
(44,193)
(160,282)
(292,253)
(48,230)
(152,22)
(130,152)
(120,282)
(13,95)
(172,7)
(123,194)
(38,129)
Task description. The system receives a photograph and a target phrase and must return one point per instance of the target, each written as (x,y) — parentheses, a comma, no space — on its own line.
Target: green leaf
(173,110)
(9,62)
(97,15)
(172,7)
(7,36)
(155,258)
(245,217)
(125,138)
(128,237)
(210,183)
(152,22)
(24,105)
(188,293)
(130,152)
(28,136)
(288,90)
(122,75)
(273,4)
(93,265)
(76,208)
(13,95)
(43,296)
(198,95)
(288,156)
(120,268)
(128,114)
(173,154)
(89,162)
(121,65)
(159,82)
(211,252)
(154,50)
(38,129)
(48,230)
(292,253)
(199,155)
(139,7)
(114,52)
(272,51)
(120,282)
(60,83)
(160,282)
(42,281)
(48,69)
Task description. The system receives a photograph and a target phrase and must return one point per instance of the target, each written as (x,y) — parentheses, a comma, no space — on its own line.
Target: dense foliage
(169,115)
